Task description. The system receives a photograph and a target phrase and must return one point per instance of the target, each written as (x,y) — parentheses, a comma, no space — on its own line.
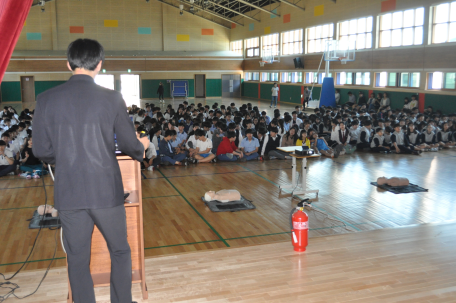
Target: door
(129,87)
(28,89)
(231,86)
(200,86)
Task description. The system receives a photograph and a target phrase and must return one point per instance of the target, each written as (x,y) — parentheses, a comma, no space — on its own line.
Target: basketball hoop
(342,60)
(262,63)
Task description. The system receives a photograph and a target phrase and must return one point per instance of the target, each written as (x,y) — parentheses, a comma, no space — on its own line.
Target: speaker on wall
(298,63)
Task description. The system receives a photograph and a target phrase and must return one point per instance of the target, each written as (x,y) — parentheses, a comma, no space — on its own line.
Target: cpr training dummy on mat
(224,195)
(393,181)
(49,210)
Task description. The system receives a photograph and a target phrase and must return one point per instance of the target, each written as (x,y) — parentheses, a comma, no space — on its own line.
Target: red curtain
(12,18)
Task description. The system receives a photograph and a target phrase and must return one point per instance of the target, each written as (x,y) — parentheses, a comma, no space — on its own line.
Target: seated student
(227,150)
(249,146)
(351,99)
(7,161)
(378,144)
(266,117)
(400,142)
(191,141)
(319,126)
(429,138)
(444,136)
(343,137)
(30,165)
(289,139)
(414,137)
(260,135)
(304,139)
(203,152)
(248,125)
(334,133)
(364,139)
(320,146)
(270,145)
(168,153)
(151,160)
(206,127)
(156,137)
(387,135)
(181,136)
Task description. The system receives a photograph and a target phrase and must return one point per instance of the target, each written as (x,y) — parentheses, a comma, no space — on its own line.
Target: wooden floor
(177,221)
(410,264)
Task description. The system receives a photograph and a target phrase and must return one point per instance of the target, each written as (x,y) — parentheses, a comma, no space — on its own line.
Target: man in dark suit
(74,128)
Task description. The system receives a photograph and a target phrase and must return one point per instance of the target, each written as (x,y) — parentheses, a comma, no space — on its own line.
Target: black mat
(411,188)
(48,222)
(233,206)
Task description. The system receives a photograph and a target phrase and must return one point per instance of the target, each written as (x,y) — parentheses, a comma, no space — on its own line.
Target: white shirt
(204,145)
(275,91)
(266,139)
(3,160)
(151,152)
(191,139)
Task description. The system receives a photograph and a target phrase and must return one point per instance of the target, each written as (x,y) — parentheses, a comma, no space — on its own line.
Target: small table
(293,186)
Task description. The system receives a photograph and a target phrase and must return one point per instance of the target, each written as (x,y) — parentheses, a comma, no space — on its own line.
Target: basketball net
(342,60)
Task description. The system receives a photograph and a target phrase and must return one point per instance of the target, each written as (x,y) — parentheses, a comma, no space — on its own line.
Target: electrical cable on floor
(13,286)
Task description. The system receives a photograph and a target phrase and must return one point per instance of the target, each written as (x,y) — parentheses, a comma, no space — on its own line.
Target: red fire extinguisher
(299,222)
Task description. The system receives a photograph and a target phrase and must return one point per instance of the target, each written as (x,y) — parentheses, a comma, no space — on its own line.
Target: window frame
(353,77)
(330,37)
(291,44)
(402,28)
(291,77)
(339,31)
(263,46)
(398,80)
(429,80)
(433,23)
(252,48)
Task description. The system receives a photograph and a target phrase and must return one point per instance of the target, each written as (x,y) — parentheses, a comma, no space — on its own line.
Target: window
(252,47)
(439,80)
(402,28)
(353,78)
(322,76)
(292,42)
(292,77)
(384,79)
(311,77)
(252,76)
(270,42)
(444,23)
(269,77)
(317,37)
(358,31)
(236,46)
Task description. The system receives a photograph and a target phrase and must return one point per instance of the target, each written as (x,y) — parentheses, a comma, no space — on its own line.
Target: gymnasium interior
(365,244)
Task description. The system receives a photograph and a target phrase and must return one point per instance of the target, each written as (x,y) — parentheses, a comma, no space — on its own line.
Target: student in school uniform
(400,142)
(227,150)
(270,145)
(364,139)
(156,137)
(249,146)
(289,139)
(261,134)
(414,137)
(7,161)
(168,154)
(378,142)
(30,165)
(444,136)
(343,137)
(429,138)
(320,146)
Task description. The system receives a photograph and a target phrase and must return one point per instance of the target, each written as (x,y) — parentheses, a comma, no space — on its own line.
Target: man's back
(74,128)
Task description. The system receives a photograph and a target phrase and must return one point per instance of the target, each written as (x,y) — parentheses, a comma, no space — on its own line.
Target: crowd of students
(192,134)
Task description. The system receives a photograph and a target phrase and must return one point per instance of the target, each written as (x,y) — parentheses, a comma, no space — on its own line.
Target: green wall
(149,88)
(11,91)
(42,86)
(250,90)
(213,87)
(447,104)
(344,94)
(290,93)
(265,91)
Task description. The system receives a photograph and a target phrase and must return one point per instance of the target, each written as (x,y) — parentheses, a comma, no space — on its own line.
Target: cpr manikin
(393,181)
(224,195)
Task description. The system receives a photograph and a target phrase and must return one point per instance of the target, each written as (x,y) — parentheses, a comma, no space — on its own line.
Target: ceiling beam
(292,4)
(234,11)
(210,12)
(170,4)
(258,7)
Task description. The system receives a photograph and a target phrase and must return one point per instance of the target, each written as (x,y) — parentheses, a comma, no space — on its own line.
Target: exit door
(231,86)
(200,86)
(129,87)
(28,89)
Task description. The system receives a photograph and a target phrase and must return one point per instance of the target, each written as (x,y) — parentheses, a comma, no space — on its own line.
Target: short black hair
(85,53)
(249,131)
(168,133)
(2,143)
(199,133)
(231,135)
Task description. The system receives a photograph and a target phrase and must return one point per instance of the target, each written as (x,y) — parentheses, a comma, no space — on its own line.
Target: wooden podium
(100,260)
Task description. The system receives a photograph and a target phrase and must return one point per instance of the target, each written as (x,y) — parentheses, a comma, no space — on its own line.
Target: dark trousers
(6,169)
(160,96)
(405,149)
(379,149)
(363,145)
(77,235)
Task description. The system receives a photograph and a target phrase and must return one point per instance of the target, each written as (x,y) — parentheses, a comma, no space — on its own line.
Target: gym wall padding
(213,87)
(250,90)
(11,91)
(447,104)
(290,93)
(149,88)
(42,86)
(265,91)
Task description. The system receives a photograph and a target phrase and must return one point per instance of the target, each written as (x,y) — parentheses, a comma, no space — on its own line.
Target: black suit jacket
(73,127)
